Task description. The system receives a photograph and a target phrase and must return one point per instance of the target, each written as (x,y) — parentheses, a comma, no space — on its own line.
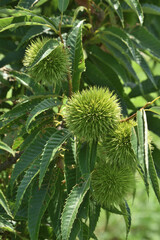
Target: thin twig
(146,105)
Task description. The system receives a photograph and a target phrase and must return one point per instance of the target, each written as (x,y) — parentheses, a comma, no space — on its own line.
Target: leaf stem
(146,105)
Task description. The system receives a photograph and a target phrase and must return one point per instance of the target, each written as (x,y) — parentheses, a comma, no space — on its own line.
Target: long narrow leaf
(41,107)
(48,47)
(4,204)
(146,41)
(127,216)
(154,109)
(71,208)
(115,4)
(84,159)
(140,128)
(27,179)
(28,82)
(136,6)
(134,142)
(151,9)
(74,43)
(50,149)
(70,165)
(38,203)
(5,225)
(56,206)
(24,17)
(5,147)
(145,141)
(62,5)
(94,213)
(27,4)
(154,177)
(32,152)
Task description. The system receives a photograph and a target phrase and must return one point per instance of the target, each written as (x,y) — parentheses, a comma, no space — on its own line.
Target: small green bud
(92,113)
(117,145)
(50,70)
(111,184)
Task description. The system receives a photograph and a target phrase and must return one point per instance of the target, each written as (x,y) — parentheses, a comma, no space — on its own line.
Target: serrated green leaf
(28,82)
(111,62)
(4,204)
(155,109)
(144,178)
(27,179)
(115,4)
(145,142)
(92,76)
(18,111)
(75,230)
(27,4)
(24,18)
(62,5)
(93,155)
(31,33)
(70,164)
(84,232)
(140,128)
(71,208)
(74,43)
(146,41)
(141,62)
(84,159)
(147,87)
(32,152)
(38,203)
(154,177)
(41,107)
(151,9)
(134,142)
(137,8)
(84,207)
(51,147)
(5,147)
(123,59)
(127,217)
(15,22)
(115,210)
(56,206)
(120,40)
(94,213)
(6,225)
(48,47)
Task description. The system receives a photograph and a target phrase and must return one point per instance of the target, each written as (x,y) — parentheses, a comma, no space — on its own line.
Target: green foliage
(79,115)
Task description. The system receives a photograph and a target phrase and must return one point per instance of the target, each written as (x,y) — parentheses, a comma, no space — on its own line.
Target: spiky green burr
(50,70)
(111,184)
(117,145)
(92,113)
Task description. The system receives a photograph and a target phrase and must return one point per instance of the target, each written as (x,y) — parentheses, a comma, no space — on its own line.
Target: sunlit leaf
(5,147)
